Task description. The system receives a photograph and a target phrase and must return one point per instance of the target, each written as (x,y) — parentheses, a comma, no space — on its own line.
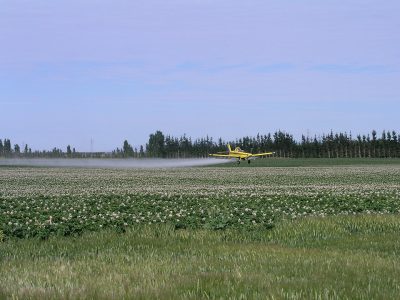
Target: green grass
(339,257)
(250,233)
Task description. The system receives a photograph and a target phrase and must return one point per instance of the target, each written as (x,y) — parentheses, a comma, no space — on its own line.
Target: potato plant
(39,202)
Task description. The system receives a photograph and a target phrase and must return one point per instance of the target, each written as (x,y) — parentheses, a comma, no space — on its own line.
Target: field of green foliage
(316,231)
(40,202)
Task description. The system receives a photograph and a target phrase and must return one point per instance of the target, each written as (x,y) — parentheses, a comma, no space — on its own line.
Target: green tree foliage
(69,152)
(127,149)
(7,147)
(331,145)
(156,145)
(17,149)
(141,151)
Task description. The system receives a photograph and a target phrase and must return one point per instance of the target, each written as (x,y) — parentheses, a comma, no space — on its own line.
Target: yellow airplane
(239,154)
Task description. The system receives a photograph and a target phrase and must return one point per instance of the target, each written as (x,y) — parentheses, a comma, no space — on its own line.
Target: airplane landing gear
(248,161)
(238,162)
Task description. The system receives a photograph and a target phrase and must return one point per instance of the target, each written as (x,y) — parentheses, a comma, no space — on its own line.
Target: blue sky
(114,70)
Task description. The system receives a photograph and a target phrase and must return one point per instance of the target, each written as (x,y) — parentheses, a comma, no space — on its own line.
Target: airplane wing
(223,155)
(263,154)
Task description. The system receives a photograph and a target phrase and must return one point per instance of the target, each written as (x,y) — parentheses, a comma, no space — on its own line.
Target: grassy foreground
(341,257)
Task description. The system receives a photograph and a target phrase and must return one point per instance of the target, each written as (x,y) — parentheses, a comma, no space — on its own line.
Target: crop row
(37,202)
(31,182)
(43,216)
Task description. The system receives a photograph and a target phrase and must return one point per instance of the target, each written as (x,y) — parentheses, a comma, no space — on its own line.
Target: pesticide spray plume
(113,163)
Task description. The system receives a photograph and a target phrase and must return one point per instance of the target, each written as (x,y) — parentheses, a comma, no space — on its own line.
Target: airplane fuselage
(239,154)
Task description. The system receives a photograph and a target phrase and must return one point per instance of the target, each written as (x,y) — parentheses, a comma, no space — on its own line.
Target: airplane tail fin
(229,148)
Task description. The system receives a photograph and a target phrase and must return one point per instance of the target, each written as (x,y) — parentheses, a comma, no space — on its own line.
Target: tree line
(7,150)
(331,145)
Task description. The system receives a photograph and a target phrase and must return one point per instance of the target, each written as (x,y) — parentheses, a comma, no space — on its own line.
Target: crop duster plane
(239,154)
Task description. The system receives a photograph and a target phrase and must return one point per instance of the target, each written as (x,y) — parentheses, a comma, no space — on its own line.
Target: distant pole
(91,147)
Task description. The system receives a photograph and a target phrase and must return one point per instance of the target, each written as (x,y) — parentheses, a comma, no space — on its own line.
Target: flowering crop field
(314,232)
(40,202)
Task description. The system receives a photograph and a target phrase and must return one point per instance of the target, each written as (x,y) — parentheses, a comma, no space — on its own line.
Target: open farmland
(46,201)
(218,232)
